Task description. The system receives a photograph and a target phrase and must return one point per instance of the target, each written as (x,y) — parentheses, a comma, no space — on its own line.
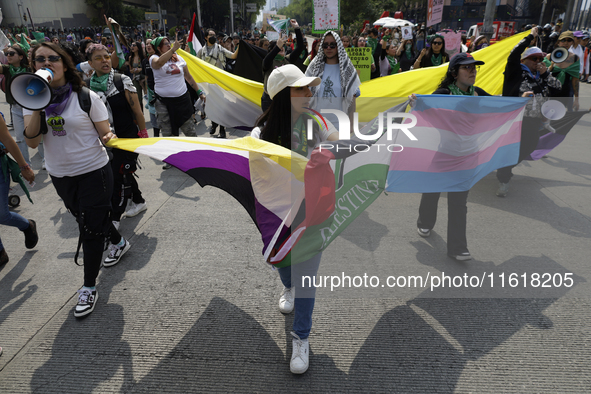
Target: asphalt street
(192,307)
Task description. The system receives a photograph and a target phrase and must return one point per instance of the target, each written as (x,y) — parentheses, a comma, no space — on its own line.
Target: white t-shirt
(579,51)
(72,144)
(169,80)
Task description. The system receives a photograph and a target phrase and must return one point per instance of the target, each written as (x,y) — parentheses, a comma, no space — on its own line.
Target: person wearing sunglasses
(17,63)
(567,72)
(340,82)
(527,76)
(78,163)
(435,55)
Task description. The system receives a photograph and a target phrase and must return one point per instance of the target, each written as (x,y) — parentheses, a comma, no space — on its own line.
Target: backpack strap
(118,81)
(84,100)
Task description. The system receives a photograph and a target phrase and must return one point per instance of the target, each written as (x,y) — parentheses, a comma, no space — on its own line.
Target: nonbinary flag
(193,41)
(460,139)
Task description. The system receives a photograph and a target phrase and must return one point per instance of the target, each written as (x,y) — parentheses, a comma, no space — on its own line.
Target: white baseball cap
(288,76)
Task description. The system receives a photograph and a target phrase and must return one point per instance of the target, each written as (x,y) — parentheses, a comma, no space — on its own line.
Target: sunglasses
(470,67)
(437,43)
(537,59)
(567,40)
(52,59)
(332,45)
(11,53)
(106,57)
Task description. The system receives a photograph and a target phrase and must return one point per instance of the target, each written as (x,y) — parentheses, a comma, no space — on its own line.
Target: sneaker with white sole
(299,357)
(286,300)
(135,209)
(503,189)
(86,300)
(465,256)
(115,253)
(43,165)
(424,232)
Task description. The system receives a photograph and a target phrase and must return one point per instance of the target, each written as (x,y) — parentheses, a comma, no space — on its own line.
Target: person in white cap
(288,87)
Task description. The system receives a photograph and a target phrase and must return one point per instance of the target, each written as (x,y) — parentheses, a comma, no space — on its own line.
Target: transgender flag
(460,140)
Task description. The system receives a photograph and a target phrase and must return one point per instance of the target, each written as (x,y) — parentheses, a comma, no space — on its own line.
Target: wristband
(199,92)
(25,167)
(143,133)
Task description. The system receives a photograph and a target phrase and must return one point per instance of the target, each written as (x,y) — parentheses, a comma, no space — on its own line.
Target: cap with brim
(464,58)
(289,76)
(578,34)
(566,34)
(531,52)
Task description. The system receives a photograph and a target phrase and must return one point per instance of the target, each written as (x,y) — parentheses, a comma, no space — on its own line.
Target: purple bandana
(61,96)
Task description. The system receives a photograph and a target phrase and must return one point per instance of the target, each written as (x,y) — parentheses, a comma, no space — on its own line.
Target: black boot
(31,236)
(3,257)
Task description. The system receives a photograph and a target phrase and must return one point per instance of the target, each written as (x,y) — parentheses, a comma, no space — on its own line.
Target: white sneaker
(299,357)
(134,209)
(503,189)
(115,254)
(286,300)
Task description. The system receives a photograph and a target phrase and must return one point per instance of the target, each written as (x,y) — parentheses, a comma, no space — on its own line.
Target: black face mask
(211,40)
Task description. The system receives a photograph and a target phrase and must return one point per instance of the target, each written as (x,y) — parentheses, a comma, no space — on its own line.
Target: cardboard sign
(406,33)
(453,42)
(361,59)
(326,16)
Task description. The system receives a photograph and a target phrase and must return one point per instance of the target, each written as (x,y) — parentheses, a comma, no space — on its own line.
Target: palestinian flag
(195,40)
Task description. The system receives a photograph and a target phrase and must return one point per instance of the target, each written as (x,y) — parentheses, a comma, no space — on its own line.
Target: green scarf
(12,169)
(16,70)
(560,73)
(458,92)
(408,51)
(436,59)
(372,43)
(394,65)
(99,84)
(299,143)
(279,58)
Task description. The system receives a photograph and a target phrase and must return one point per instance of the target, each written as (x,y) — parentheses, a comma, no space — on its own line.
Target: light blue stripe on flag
(470,104)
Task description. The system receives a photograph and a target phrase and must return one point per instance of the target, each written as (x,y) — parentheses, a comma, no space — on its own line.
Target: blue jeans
(304,296)
(7,217)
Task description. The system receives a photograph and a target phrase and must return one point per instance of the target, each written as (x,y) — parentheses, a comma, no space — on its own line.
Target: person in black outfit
(277,58)
(459,80)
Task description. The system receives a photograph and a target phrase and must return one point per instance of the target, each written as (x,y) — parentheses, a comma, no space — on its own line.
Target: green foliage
(124,15)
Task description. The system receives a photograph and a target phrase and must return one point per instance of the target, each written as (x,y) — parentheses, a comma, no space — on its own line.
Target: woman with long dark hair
(434,56)
(288,87)
(134,62)
(406,54)
(78,163)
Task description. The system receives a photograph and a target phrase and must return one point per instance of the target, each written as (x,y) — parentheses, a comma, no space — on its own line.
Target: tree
(124,15)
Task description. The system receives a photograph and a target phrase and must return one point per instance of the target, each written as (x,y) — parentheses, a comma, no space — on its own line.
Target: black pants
(88,198)
(457,212)
(530,136)
(214,127)
(125,186)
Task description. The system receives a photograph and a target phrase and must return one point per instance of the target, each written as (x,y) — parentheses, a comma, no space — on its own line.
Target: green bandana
(458,92)
(156,42)
(436,59)
(394,65)
(16,70)
(99,84)
(408,51)
(279,58)
(299,143)
(560,73)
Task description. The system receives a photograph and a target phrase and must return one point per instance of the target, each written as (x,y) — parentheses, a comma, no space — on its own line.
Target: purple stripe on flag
(463,123)
(268,223)
(545,145)
(185,161)
(425,160)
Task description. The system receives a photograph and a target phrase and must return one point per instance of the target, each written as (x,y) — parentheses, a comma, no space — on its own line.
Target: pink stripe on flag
(463,123)
(416,159)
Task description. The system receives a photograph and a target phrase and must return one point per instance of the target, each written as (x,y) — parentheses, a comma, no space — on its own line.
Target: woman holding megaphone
(17,64)
(567,71)
(75,124)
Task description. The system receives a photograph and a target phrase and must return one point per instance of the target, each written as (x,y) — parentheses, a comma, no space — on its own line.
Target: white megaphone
(553,110)
(559,55)
(32,91)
